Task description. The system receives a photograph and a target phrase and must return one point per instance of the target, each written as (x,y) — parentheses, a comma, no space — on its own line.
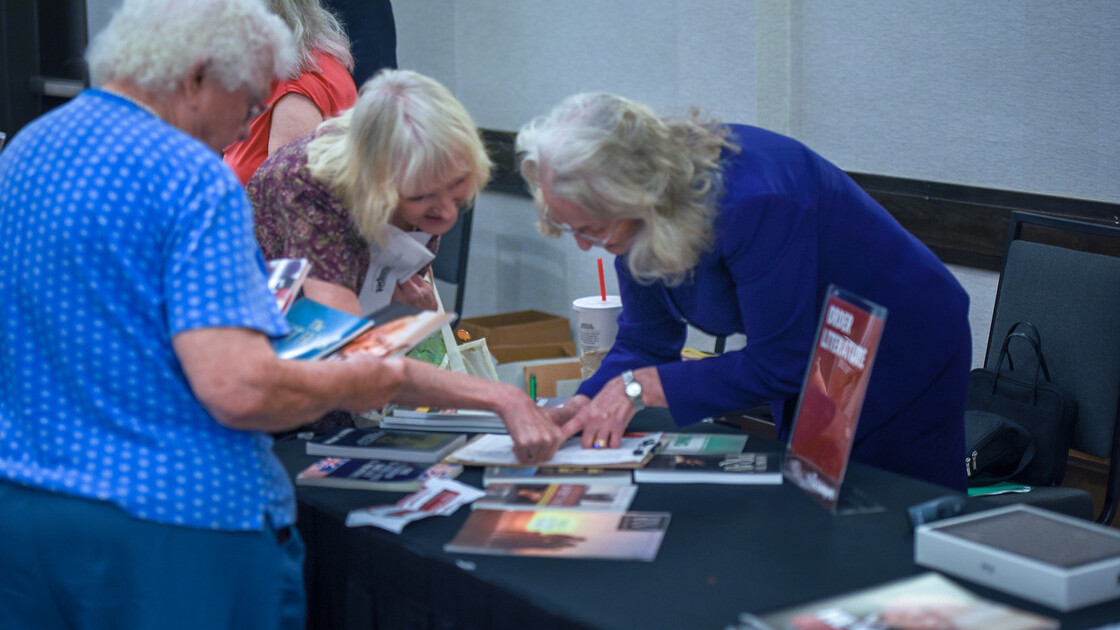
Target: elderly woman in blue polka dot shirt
(138,382)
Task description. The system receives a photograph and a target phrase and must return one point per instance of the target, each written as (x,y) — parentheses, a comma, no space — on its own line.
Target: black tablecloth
(728,549)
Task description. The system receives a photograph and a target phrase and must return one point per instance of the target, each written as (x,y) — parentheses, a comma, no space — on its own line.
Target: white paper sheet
(403,256)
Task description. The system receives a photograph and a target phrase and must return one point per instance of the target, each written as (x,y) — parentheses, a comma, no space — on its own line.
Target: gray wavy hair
(617,159)
(154,43)
(315,28)
(405,134)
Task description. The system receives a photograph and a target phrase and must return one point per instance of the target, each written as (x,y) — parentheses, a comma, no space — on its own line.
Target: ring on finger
(600,443)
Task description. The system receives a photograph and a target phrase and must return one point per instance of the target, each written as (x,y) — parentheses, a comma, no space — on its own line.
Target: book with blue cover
(317,330)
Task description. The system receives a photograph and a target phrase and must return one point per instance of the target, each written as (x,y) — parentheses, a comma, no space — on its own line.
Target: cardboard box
(1036,554)
(519,328)
(533,351)
(546,376)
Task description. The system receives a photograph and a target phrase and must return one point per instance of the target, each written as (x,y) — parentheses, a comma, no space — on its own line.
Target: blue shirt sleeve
(216,275)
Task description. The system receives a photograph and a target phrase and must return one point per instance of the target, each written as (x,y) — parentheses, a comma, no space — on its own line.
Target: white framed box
(1039,555)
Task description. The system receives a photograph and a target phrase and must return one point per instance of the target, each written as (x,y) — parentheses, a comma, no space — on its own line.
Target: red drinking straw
(602,283)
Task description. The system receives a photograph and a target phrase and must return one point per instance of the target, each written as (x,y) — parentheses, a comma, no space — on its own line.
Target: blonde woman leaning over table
(397,167)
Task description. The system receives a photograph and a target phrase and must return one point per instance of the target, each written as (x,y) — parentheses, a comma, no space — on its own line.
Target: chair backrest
(450,264)
(1073,298)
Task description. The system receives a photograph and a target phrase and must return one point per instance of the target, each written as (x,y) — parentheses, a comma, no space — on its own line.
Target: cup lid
(597,301)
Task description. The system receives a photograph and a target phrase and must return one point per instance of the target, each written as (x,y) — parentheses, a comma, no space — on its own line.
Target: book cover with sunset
(562,534)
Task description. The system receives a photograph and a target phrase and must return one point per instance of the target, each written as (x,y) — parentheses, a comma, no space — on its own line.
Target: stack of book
(442,419)
(379,459)
(564,510)
(556,474)
(403,446)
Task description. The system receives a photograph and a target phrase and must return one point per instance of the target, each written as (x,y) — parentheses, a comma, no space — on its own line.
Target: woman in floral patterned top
(404,159)
(407,156)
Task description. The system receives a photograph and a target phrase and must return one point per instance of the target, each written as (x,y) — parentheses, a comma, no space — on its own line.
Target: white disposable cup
(596,321)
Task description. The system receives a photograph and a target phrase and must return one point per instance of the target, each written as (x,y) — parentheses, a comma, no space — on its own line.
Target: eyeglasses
(598,241)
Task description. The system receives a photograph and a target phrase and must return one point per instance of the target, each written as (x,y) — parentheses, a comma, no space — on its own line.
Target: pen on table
(533,386)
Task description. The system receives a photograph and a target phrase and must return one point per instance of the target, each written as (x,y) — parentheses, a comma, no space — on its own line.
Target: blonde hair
(154,43)
(315,28)
(617,159)
(405,133)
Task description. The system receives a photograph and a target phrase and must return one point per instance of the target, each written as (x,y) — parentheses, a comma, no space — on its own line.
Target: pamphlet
(438,497)
(403,255)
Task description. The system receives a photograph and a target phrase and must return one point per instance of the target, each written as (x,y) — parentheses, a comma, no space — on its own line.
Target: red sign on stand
(832,394)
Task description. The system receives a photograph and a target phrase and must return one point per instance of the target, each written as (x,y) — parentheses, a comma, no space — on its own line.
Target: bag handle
(1003,353)
(1032,331)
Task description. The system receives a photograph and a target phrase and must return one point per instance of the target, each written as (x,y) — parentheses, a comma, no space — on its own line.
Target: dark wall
(373,34)
(41,65)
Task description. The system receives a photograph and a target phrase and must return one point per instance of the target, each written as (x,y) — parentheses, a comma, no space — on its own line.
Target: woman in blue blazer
(735,229)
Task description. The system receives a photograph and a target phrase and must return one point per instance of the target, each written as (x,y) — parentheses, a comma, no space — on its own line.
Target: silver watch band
(633,390)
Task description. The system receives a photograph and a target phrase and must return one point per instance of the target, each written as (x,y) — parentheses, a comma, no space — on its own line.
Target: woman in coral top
(322,88)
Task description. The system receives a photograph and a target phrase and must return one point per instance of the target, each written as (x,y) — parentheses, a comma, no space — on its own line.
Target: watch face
(633,389)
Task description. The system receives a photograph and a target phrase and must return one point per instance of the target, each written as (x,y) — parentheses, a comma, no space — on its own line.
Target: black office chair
(450,264)
(1053,278)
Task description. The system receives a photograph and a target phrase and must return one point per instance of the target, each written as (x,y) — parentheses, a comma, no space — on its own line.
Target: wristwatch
(633,389)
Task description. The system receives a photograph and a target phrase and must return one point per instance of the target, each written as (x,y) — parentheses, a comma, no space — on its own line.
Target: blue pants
(67,562)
